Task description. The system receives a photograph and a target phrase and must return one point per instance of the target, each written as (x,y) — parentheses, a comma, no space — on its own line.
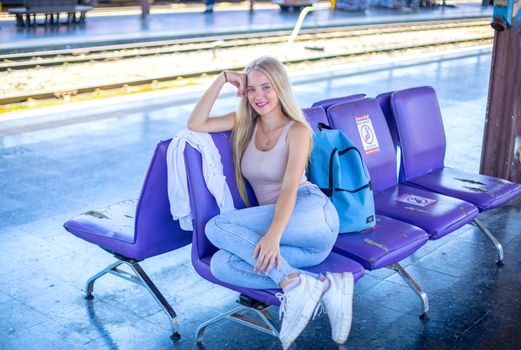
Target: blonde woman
(295,224)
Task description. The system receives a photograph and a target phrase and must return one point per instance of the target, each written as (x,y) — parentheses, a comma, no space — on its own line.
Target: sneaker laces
(283,302)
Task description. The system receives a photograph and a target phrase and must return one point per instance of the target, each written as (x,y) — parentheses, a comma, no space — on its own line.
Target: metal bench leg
(265,325)
(493,239)
(417,289)
(140,278)
(147,283)
(89,286)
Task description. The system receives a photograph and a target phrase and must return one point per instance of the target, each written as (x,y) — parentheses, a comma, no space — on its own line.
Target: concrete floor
(50,175)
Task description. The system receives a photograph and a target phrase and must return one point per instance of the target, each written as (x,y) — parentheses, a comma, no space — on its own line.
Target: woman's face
(261,94)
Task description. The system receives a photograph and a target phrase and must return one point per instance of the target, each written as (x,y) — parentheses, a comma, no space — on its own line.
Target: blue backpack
(337,168)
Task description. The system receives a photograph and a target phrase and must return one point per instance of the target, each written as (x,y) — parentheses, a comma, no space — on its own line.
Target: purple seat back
(419,124)
(155,230)
(315,115)
(351,117)
(384,100)
(333,101)
(202,202)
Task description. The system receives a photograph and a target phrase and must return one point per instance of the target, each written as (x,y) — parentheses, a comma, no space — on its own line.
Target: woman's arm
(199,119)
(268,248)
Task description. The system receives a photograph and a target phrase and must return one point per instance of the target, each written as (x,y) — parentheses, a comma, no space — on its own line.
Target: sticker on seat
(367,134)
(417,200)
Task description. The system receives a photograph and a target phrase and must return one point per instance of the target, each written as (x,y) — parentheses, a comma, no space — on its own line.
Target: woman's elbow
(191,125)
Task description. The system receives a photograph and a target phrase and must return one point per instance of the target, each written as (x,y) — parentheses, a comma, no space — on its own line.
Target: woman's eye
(266,88)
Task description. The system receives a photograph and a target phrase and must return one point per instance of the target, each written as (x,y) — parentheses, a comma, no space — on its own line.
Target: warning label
(367,134)
(417,200)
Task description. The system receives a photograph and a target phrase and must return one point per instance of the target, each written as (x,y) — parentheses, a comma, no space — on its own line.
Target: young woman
(295,224)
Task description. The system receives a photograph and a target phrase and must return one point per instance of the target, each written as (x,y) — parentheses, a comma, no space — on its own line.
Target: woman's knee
(322,256)
(220,264)
(214,229)
(317,257)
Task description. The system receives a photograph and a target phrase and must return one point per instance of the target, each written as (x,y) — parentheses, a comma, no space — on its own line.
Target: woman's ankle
(291,281)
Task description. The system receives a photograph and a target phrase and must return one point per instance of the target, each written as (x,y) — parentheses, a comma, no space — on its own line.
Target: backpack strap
(321,126)
(368,185)
(361,160)
(329,191)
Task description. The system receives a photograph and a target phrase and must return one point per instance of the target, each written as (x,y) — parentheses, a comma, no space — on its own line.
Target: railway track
(323,47)
(124,51)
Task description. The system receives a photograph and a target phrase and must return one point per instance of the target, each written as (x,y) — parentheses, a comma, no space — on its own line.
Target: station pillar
(501,150)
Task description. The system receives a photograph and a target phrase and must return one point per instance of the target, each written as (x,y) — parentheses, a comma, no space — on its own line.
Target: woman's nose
(259,95)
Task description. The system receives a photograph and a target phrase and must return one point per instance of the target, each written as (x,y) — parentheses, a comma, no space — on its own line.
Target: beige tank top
(265,170)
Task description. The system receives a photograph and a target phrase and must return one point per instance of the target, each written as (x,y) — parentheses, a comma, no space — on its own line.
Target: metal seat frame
(137,276)
(237,314)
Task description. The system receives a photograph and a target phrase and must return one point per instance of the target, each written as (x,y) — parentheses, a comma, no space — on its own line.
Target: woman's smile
(261,105)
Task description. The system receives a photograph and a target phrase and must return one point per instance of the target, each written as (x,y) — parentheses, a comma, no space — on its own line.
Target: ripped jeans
(307,240)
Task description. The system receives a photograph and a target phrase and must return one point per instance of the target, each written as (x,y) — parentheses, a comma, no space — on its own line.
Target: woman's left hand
(267,253)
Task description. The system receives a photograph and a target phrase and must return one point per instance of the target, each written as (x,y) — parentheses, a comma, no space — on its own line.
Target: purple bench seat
(405,203)
(133,231)
(204,208)
(111,227)
(437,214)
(417,126)
(485,192)
(389,242)
(386,244)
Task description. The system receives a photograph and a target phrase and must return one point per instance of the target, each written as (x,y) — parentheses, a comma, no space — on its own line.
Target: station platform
(52,173)
(104,27)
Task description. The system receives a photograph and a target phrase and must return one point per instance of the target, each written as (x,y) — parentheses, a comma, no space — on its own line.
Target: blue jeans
(307,240)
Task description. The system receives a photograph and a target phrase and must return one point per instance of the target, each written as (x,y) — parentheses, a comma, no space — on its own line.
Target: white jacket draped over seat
(212,172)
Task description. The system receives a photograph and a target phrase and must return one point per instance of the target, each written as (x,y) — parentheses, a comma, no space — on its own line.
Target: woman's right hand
(200,120)
(236,79)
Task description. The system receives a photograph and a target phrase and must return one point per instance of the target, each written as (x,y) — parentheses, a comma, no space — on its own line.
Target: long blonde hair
(247,116)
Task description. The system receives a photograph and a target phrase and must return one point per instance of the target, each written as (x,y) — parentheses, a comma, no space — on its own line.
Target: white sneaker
(338,302)
(298,305)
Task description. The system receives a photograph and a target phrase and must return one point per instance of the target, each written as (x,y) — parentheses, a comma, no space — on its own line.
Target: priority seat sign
(367,134)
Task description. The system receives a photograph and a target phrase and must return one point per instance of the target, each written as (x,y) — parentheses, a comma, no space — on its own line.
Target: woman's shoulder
(298,131)
(298,128)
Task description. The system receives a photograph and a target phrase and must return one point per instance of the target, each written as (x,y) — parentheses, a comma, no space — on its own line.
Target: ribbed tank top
(265,170)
